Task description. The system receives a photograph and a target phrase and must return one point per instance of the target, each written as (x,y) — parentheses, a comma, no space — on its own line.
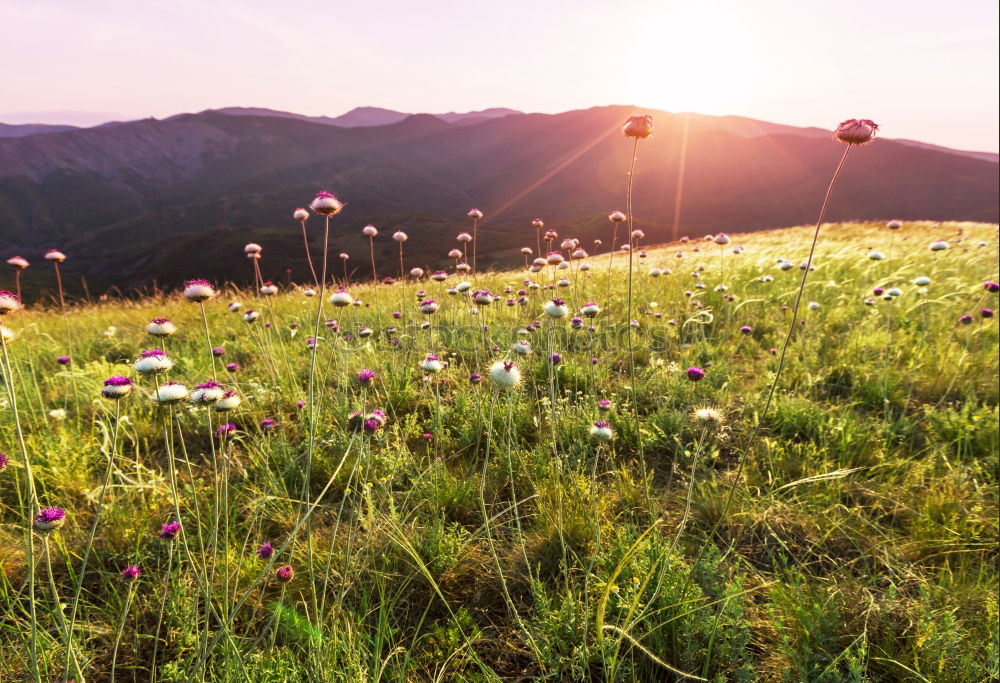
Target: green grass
(861,542)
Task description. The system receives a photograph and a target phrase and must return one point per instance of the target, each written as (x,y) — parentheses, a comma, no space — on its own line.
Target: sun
(702,57)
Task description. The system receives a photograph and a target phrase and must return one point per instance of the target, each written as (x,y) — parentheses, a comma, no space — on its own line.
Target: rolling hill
(129,202)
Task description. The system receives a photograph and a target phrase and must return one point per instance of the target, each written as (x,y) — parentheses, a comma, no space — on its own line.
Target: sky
(922,70)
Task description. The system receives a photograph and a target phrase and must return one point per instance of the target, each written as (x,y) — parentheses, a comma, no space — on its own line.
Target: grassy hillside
(484,533)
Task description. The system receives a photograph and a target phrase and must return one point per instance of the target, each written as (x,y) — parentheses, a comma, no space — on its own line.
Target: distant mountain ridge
(166,199)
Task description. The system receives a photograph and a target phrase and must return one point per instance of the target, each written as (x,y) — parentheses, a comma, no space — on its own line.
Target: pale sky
(922,70)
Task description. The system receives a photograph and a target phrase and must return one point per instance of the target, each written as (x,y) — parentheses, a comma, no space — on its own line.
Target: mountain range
(161,200)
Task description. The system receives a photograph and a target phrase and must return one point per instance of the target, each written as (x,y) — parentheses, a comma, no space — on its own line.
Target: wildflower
(746,329)
(813,306)
(17,262)
(505,374)
(300,215)
(463,286)
(4,461)
(986,312)
(554,258)
(695,374)
(152,362)
(965,319)
(117,387)
(428,306)
(63,360)
(218,352)
(856,131)
(416,272)
(721,239)
(894,292)
(365,377)
(229,401)
(922,281)
(638,126)
(9,302)
(252,250)
(285,573)
(555,358)
(170,530)
(991,286)
(576,323)
(526,251)
(399,236)
(209,392)
(233,367)
(55,255)
(268,424)
(708,417)
(235,306)
(464,237)
(369,231)
(265,551)
(894,224)
(365,332)
(47,519)
(198,290)
(522,347)
(475,378)
(341,298)
(269,289)
(131,572)
(602,431)
(556,308)
(439,276)
(432,364)
(171,392)
(939,245)
(876,255)
(58,414)
(617,217)
(538,224)
(475,214)
(483,297)
(250,316)
(325,204)
(226,429)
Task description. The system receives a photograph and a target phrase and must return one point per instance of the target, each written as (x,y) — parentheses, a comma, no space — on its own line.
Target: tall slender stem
(628,321)
(8,380)
(777,374)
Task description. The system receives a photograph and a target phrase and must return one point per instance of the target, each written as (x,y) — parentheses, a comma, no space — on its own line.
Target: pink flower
(856,131)
(638,126)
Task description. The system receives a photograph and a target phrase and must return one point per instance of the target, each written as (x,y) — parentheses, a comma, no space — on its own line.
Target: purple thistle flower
(285,573)
(427,436)
(878,291)
(991,286)
(233,367)
(267,424)
(197,281)
(218,352)
(48,519)
(365,377)
(4,461)
(604,405)
(265,551)
(63,360)
(695,374)
(746,329)
(152,353)
(170,530)
(131,572)
(475,378)
(986,312)
(555,358)
(372,425)
(226,429)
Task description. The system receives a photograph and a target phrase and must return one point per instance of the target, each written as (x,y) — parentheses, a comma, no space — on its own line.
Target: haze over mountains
(168,199)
